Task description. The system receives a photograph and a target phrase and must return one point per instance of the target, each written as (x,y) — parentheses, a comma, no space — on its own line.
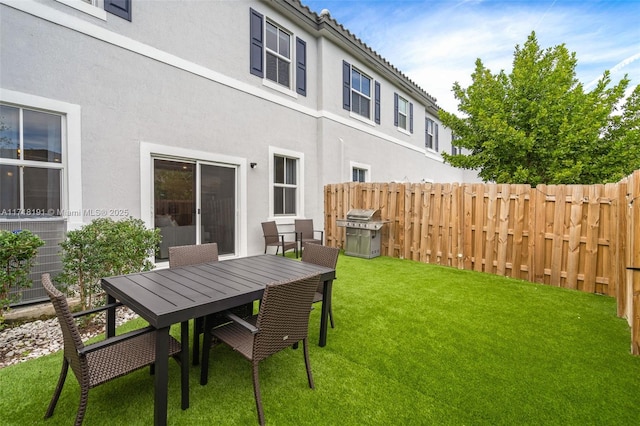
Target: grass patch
(413,344)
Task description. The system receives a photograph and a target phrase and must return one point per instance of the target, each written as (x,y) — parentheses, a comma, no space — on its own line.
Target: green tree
(538,125)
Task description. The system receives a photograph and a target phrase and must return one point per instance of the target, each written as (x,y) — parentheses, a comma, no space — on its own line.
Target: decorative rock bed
(41,337)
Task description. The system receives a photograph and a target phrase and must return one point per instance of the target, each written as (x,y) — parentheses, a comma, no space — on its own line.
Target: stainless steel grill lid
(362,219)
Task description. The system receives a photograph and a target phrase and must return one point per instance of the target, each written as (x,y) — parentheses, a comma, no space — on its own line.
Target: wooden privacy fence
(579,237)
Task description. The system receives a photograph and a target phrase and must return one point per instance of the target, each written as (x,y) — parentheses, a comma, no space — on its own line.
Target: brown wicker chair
(283,320)
(273,238)
(323,256)
(100,362)
(193,255)
(306,234)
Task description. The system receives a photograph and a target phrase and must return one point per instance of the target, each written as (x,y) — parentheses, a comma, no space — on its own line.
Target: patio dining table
(165,297)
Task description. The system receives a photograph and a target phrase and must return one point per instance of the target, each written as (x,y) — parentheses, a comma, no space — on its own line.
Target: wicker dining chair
(103,361)
(306,234)
(283,320)
(193,255)
(323,256)
(273,238)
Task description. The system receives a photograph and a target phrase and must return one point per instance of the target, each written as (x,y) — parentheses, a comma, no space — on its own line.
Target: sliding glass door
(194,203)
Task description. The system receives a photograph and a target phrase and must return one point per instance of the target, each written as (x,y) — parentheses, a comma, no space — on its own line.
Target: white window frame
(299,156)
(405,114)
(431,134)
(150,151)
(369,97)
(94,8)
(71,165)
(278,56)
(455,149)
(360,166)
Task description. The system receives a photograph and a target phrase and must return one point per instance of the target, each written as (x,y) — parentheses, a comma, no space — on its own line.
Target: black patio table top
(169,296)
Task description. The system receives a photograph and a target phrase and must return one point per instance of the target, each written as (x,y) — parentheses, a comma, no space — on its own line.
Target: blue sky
(436,42)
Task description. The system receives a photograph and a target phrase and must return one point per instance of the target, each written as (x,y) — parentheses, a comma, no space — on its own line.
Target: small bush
(105,248)
(18,250)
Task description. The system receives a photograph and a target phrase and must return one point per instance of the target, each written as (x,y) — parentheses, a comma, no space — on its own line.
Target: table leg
(184,363)
(161,376)
(324,317)
(111,317)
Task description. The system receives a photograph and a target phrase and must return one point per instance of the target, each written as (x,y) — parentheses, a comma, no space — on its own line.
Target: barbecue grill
(363,239)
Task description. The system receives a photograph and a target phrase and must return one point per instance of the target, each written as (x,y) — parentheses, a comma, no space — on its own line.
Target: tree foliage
(538,125)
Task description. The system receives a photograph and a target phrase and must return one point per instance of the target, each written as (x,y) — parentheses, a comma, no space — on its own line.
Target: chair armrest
(233,317)
(113,340)
(321,234)
(94,310)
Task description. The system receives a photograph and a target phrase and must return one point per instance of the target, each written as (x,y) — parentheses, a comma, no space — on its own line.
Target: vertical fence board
(491,218)
(467,235)
(503,229)
(575,232)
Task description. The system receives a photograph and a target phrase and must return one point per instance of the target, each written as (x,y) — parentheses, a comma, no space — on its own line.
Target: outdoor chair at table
(103,361)
(193,255)
(323,256)
(283,320)
(273,238)
(306,234)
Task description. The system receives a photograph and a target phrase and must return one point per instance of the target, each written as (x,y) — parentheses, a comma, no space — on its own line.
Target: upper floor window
(30,162)
(403,113)
(360,95)
(278,54)
(285,185)
(431,134)
(273,56)
(455,150)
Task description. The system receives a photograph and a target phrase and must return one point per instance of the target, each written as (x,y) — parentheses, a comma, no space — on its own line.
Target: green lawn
(413,344)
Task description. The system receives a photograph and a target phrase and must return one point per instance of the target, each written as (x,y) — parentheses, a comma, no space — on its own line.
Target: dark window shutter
(395,109)
(346,85)
(411,117)
(377,103)
(256,56)
(435,135)
(301,67)
(121,8)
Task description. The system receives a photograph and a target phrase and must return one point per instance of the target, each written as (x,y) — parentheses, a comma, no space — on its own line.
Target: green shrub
(18,250)
(105,248)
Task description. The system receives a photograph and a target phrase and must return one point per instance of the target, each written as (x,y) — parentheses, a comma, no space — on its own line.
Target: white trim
(149,150)
(279,87)
(365,167)
(71,149)
(362,118)
(94,10)
(273,151)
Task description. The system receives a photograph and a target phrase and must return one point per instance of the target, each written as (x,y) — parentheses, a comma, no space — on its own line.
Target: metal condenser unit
(362,236)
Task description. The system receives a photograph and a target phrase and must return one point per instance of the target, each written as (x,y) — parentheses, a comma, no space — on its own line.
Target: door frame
(150,151)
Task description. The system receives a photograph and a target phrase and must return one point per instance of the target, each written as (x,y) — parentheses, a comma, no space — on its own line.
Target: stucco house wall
(172,84)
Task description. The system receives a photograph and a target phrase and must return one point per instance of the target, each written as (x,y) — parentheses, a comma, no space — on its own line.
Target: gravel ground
(42,337)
